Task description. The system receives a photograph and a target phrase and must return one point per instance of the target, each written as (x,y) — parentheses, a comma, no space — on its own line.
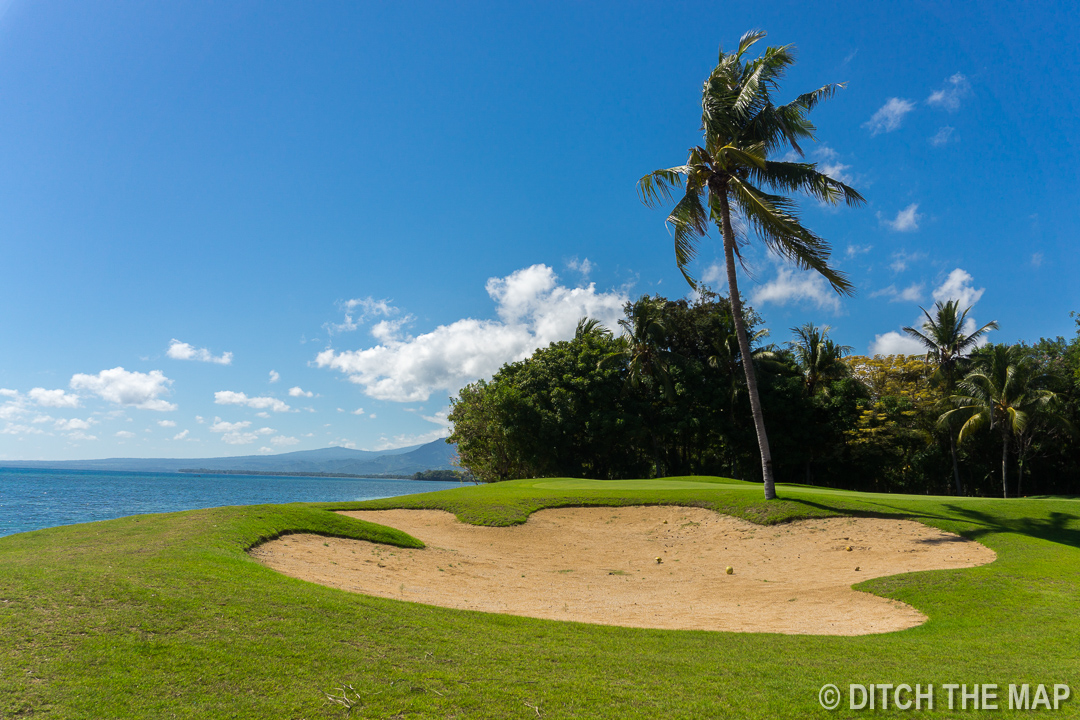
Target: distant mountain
(400,461)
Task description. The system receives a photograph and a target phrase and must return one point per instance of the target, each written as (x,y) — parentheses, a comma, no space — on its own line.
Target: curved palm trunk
(744,347)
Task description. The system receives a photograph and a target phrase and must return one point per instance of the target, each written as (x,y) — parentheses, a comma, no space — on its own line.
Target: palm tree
(590,328)
(820,360)
(947,347)
(724,178)
(645,353)
(818,357)
(999,393)
(643,349)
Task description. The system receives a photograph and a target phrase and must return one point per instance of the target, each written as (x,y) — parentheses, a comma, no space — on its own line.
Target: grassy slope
(165,616)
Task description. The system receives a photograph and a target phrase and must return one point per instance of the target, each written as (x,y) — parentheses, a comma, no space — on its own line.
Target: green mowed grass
(163,616)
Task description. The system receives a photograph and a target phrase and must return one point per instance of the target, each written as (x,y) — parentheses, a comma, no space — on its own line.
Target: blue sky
(259,227)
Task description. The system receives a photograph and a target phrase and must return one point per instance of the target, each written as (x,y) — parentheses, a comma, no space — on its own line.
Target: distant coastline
(440,476)
(209,471)
(332,461)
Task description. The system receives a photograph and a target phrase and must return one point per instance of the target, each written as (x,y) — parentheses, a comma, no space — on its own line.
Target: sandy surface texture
(599,565)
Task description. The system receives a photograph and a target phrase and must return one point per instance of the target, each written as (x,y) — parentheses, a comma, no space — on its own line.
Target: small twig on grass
(343,699)
(536,708)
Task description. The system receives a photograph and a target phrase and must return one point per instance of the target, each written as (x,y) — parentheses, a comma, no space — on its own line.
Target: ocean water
(32,499)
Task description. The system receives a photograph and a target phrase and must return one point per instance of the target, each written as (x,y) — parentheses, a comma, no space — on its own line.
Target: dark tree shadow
(1058,527)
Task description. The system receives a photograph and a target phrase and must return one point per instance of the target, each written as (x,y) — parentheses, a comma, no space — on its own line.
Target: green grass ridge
(166,616)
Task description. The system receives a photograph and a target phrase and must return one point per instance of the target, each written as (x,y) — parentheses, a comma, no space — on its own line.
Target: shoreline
(278,473)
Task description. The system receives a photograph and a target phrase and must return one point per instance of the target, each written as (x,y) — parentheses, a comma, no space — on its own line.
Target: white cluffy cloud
(957,286)
(907,220)
(901,259)
(228,397)
(912,293)
(895,343)
(715,276)
(533,310)
(129,388)
(183,351)
(167,423)
(237,433)
(53,398)
(793,286)
(583,266)
(274,376)
(299,392)
(889,116)
(956,89)
(359,310)
(73,424)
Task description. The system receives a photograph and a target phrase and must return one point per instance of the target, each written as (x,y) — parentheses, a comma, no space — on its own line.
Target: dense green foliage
(440,475)
(166,616)
(668,397)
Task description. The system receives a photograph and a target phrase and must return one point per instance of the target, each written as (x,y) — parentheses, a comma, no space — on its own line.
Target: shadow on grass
(1055,527)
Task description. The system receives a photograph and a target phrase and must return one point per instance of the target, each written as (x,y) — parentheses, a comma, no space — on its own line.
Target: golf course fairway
(161,616)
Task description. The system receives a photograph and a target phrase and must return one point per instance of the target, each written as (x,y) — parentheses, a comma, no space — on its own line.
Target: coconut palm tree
(730,176)
(590,327)
(818,357)
(643,351)
(947,347)
(1000,393)
(820,360)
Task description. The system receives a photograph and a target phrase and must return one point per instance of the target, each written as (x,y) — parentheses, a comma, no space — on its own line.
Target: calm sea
(35,499)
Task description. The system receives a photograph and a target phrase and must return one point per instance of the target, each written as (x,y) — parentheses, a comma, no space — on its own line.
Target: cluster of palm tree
(733,182)
(1001,390)
(947,348)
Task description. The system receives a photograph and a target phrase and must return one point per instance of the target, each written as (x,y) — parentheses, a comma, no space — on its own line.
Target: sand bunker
(598,565)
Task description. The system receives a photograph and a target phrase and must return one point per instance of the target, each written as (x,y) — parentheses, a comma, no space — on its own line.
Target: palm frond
(808,101)
(689,222)
(775,221)
(972,340)
(751,157)
(805,178)
(975,422)
(655,188)
(750,89)
(929,344)
(774,63)
(745,42)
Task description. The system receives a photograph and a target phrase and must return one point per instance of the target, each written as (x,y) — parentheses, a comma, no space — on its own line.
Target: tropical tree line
(668,396)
